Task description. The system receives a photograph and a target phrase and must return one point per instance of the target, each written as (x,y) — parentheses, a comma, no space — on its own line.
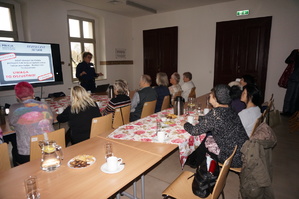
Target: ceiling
(137,8)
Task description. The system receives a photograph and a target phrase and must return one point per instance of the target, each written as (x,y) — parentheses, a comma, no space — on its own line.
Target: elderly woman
(161,90)
(251,96)
(121,98)
(79,114)
(224,125)
(175,88)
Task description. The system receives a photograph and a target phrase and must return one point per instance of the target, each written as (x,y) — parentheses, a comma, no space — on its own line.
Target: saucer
(105,169)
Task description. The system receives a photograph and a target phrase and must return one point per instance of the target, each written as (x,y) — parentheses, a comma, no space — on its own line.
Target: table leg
(134,196)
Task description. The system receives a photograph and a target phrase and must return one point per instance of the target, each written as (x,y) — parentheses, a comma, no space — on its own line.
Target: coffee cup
(163,119)
(205,111)
(161,136)
(113,163)
(190,119)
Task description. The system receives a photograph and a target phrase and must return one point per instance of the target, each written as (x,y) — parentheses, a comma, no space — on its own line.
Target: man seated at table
(187,85)
(145,94)
(28,117)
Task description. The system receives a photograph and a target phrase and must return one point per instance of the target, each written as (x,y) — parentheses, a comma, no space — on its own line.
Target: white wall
(46,21)
(197,31)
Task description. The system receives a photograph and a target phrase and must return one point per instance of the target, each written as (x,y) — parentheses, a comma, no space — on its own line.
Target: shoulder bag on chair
(205,179)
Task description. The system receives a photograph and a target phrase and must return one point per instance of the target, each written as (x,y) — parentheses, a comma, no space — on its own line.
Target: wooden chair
(121,116)
(35,150)
(166,103)
(4,157)
(192,93)
(131,94)
(181,187)
(101,125)
(148,108)
(294,122)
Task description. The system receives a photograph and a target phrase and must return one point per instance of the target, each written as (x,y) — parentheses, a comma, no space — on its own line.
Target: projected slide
(25,62)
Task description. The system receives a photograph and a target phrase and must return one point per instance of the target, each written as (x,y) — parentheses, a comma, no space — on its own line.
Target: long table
(144,130)
(88,182)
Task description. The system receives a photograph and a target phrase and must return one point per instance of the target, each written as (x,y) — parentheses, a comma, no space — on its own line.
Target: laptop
(102,88)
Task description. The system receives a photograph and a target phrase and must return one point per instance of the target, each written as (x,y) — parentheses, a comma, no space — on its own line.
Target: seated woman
(175,88)
(161,90)
(79,114)
(121,98)
(251,96)
(224,125)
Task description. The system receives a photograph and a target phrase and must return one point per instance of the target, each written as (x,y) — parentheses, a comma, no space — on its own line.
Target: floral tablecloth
(145,130)
(65,101)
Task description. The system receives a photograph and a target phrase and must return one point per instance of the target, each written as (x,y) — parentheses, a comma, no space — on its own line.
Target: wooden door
(242,47)
(160,50)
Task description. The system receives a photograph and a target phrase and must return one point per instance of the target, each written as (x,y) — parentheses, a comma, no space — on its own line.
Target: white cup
(190,119)
(163,119)
(113,163)
(161,136)
(60,110)
(205,111)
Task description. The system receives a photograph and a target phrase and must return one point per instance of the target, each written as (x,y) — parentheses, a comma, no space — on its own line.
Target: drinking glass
(31,188)
(191,104)
(109,152)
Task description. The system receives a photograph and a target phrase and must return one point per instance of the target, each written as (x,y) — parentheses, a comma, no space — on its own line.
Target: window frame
(14,33)
(81,40)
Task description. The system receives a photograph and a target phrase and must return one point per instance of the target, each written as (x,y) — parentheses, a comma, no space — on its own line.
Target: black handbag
(204,181)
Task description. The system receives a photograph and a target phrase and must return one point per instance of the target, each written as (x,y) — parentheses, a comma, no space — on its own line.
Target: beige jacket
(256,174)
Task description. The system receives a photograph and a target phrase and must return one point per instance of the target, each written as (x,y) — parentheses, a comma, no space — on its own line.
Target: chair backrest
(4,157)
(266,113)
(175,95)
(220,183)
(258,121)
(148,108)
(35,150)
(181,187)
(131,94)
(166,103)
(101,125)
(121,116)
(192,93)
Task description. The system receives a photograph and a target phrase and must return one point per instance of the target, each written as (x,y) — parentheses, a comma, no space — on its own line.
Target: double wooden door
(242,47)
(160,51)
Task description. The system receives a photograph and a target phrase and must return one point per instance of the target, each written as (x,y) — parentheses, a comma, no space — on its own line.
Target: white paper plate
(105,169)
(89,162)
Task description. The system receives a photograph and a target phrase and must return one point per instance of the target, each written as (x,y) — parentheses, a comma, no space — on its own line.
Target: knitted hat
(23,90)
(222,94)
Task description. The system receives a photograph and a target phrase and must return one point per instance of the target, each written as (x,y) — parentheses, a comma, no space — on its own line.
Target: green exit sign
(242,12)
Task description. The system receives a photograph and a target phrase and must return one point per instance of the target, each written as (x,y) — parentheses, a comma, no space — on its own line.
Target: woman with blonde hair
(121,98)
(79,114)
(175,88)
(161,90)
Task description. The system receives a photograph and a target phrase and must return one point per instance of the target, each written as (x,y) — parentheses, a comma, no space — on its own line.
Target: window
(8,26)
(81,39)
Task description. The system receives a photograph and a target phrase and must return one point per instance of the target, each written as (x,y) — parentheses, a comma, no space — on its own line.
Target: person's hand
(83,73)
(100,74)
